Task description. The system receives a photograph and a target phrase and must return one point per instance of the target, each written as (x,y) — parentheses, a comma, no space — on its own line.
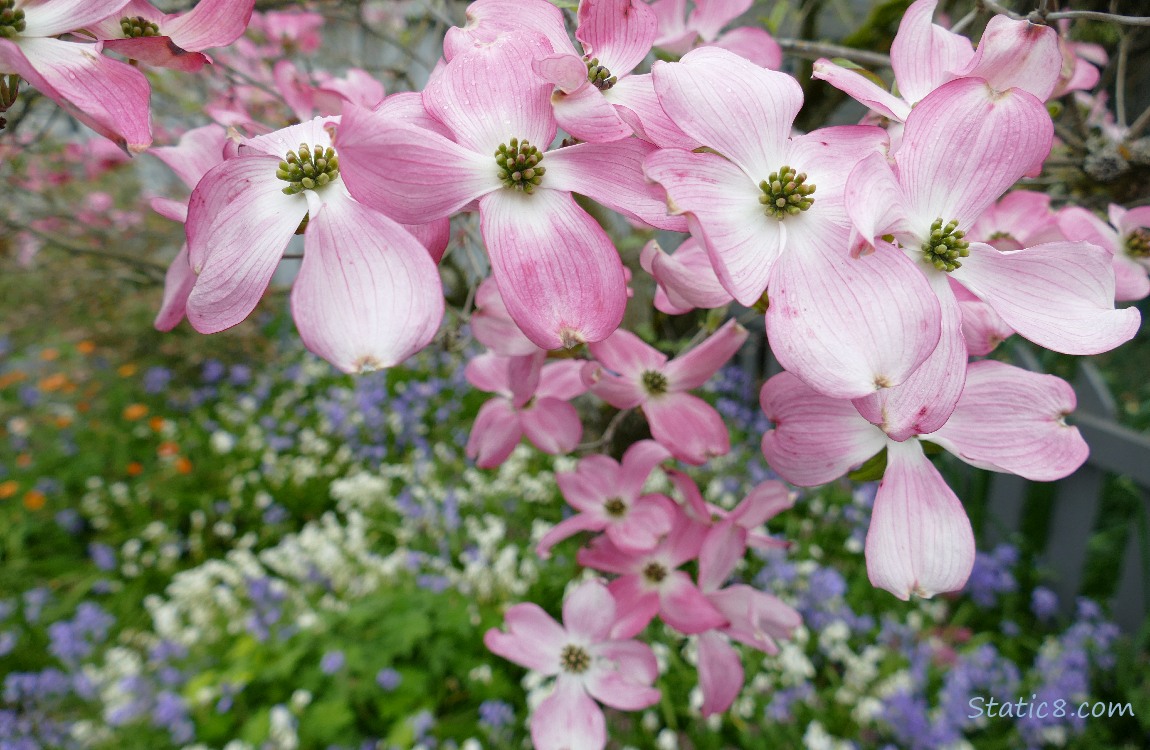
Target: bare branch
(815,50)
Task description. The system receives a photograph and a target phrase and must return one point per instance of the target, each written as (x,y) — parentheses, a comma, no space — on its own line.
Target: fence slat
(1075,512)
(1130,604)
(1004,504)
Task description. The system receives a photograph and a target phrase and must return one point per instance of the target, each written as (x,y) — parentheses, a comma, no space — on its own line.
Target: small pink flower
(589,662)
(1127,237)
(140,31)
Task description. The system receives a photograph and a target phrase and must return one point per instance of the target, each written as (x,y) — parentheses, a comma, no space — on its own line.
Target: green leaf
(872,470)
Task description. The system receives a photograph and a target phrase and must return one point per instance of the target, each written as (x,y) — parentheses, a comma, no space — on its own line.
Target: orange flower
(126,371)
(168,448)
(53,382)
(34,499)
(134,412)
(8,489)
(183,465)
(24,460)
(83,407)
(63,421)
(156,423)
(86,347)
(11,378)
(135,469)
(49,354)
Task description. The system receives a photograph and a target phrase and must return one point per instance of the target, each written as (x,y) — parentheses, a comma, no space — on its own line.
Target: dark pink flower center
(574,659)
(519,165)
(785,193)
(135,27)
(11,19)
(945,245)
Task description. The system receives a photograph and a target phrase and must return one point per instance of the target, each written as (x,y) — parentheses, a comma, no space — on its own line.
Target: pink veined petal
(685,277)
(637,605)
(982,328)
(686,538)
(683,606)
(568,719)
(710,16)
(1013,420)
(523,374)
(687,426)
(618,33)
(639,461)
(720,672)
(1081,225)
(964,145)
(628,355)
(848,326)
(924,401)
(495,433)
(617,689)
(412,175)
(567,528)
(316,131)
(44,18)
(724,546)
(1020,285)
(622,392)
(875,203)
(239,222)
(552,425)
(170,209)
(695,367)
(825,156)
(693,500)
(434,236)
(559,275)
(732,106)
(492,325)
(648,520)
(672,18)
(587,115)
(920,541)
(742,241)
(1127,221)
(198,151)
(1016,54)
(1130,279)
(487,19)
(368,295)
(612,174)
(589,612)
(533,639)
(861,89)
(634,659)
(406,107)
(594,480)
(488,95)
(637,103)
(757,618)
(356,86)
(602,554)
(488,372)
(159,52)
(108,96)
(924,53)
(211,23)
(815,438)
(178,283)
(564,69)
(754,44)
(562,380)
(768,499)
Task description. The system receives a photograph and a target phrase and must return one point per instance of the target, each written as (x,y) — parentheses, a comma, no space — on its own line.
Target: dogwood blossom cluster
(882,256)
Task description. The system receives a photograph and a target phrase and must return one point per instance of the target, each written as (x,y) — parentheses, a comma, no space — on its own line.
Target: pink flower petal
(876,204)
(523,375)
(725,214)
(920,541)
(628,355)
(618,33)
(724,546)
(1019,285)
(731,105)
(533,639)
(239,222)
(488,372)
(672,17)
(594,480)
(198,151)
(495,433)
(982,328)
(720,672)
(637,605)
(210,23)
(602,554)
(565,70)
(637,103)
(617,689)
(434,236)
(622,392)
(178,283)
(567,528)
(765,501)
(108,96)
(683,606)
(754,44)
(45,18)
(861,89)
(634,659)
(639,460)
(695,367)
(1130,279)
(1012,420)
(368,295)
(170,209)
(757,618)
(558,272)
(562,380)
(924,53)
(815,438)
(589,612)
(648,520)
(488,19)
(1016,54)
(687,426)
(159,52)
(710,16)
(552,425)
(588,116)
(568,719)
(685,278)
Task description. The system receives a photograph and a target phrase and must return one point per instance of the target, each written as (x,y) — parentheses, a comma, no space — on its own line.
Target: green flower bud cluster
(138,26)
(310,168)
(519,165)
(785,193)
(11,19)
(654,382)
(1138,243)
(599,76)
(945,246)
(574,659)
(615,507)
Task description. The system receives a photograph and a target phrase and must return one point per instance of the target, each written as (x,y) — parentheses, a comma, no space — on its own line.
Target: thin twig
(608,433)
(75,249)
(1120,82)
(1039,17)
(1138,125)
(815,50)
(964,21)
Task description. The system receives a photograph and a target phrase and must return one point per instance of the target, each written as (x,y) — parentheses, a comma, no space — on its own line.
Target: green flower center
(615,507)
(308,168)
(519,165)
(655,572)
(138,26)
(945,246)
(599,76)
(785,193)
(11,19)
(574,659)
(1138,243)
(654,382)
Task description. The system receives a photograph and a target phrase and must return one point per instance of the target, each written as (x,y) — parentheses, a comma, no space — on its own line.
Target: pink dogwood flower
(920,540)
(590,663)
(650,583)
(1127,237)
(680,33)
(772,218)
(140,31)
(368,293)
(108,96)
(609,498)
(558,273)
(532,401)
(629,373)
